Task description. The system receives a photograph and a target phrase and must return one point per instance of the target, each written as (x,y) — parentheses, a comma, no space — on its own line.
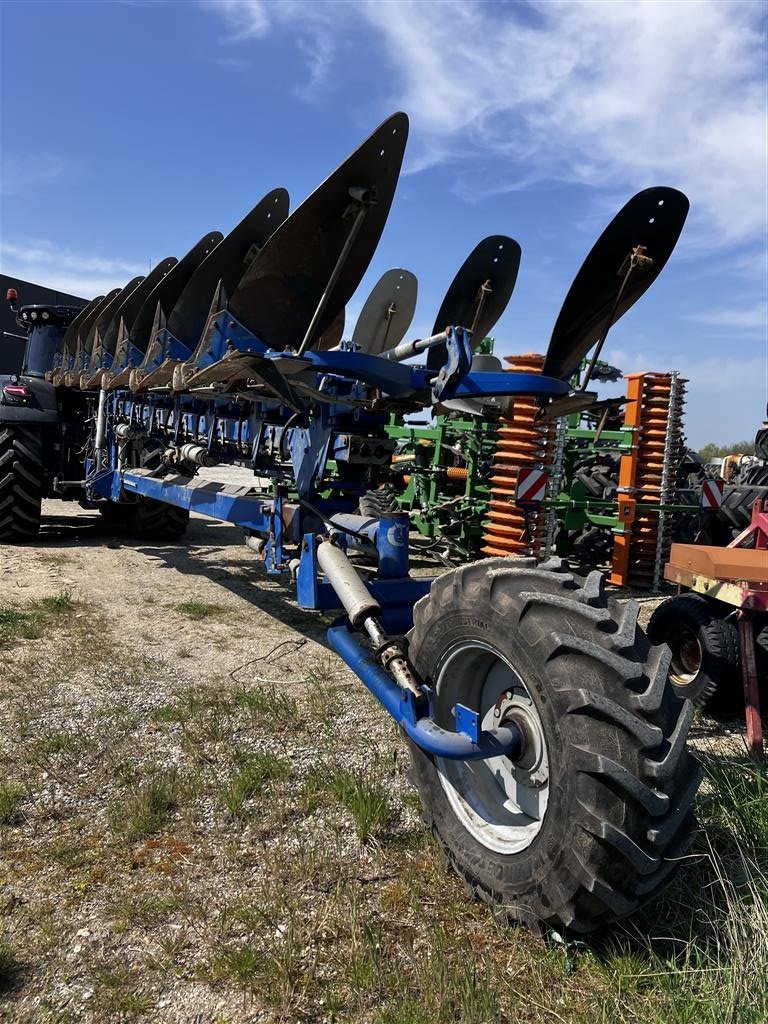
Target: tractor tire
(591,821)
(736,509)
(21,483)
(706,652)
(146,519)
(378,503)
(756,476)
(761,444)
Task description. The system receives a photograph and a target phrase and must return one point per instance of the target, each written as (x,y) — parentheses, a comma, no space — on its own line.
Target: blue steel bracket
(467,722)
(459,359)
(412,714)
(396,596)
(399,380)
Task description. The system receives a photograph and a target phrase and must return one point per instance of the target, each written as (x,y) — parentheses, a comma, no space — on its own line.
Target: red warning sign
(712,493)
(531,486)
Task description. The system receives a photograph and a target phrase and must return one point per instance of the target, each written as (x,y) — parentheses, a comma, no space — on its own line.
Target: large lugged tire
(21,482)
(736,509)
(379,502)
(147,519)
(590,823)
(706,652)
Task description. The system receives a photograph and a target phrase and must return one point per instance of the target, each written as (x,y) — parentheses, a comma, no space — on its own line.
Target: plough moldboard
(548,750)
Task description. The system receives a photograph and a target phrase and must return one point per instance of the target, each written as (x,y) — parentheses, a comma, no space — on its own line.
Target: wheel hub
(501,802)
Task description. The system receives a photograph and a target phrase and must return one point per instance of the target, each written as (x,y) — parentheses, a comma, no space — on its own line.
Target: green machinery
(441,472)
(621,486)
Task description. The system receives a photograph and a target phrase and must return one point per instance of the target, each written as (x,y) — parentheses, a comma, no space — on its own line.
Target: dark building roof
(12,350)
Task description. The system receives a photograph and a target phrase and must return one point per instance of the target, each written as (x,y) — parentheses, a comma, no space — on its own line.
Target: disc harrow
(648,476)
(511,529)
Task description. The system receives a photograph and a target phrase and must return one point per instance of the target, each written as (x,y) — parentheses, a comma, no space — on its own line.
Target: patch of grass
(200,609)
(11,796)
(117,995)
(712,965)
(147,805)
(63,745)
(364,797)
(253,772)
(54,558)
(30,621)
(271,968)
(267,702)
(57,604)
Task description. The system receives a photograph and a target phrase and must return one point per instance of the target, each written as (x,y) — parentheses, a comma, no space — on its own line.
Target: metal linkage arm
(393,681)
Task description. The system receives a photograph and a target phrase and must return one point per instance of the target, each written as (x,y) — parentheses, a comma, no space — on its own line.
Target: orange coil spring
(655,431)
(456,473)
(509,530)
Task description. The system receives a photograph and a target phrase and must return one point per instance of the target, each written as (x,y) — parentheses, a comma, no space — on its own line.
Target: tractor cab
(45,326)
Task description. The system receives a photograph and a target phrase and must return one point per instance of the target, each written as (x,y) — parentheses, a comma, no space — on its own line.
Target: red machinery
(735,576)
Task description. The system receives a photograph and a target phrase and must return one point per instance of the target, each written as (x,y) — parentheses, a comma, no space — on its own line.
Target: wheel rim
(686,655)
(501,803)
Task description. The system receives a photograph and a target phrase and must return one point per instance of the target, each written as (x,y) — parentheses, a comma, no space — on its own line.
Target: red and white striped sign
(531,486)
(712,493)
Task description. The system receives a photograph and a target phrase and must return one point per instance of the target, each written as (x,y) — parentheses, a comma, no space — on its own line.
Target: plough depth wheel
(587,825)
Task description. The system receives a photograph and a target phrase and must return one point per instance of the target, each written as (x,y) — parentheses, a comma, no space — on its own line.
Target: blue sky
(130,128)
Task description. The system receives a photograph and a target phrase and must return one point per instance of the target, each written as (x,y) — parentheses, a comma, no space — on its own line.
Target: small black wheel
(21,482)
(146,518)
(706,654)
(591,821)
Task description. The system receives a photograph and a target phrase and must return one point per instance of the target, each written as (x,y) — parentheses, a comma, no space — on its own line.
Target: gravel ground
(212,819)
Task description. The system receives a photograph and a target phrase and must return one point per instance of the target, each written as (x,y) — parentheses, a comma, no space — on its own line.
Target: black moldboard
(375,330)
(133,304)
(82,320)
(108,312)
(653,218)
(333,333)
(279,293)
(168,291)
(226,263)
(497,260)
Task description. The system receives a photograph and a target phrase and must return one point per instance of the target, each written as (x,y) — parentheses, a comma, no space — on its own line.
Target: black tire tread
(379,502)
(21,482)
(643,783)
(720,671)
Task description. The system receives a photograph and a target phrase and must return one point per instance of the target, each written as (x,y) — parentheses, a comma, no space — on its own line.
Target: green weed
(146,807)
(364,797)
(199,609)
(253,772)
(11,796)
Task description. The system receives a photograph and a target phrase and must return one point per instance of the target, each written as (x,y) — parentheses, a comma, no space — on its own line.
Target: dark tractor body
(40,430)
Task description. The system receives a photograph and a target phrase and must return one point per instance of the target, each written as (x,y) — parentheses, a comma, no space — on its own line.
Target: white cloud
(752,317)
(614,95)
(711,414)
(44,263)
(21,172)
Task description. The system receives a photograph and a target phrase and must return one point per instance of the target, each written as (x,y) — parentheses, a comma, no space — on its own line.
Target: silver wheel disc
(500,802)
